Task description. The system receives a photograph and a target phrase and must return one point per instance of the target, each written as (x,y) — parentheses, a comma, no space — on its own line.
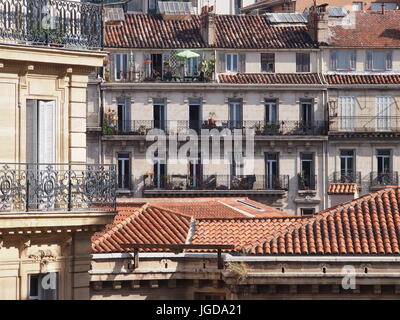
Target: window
(272,171)
(384,106)
(237,164)
(307,211)
(159,173)
(235,114)
(343,59)
(121,66)
(159,114)
(124,115)
(232,62)
(124,165)
(43,286)
(378,60)
(307,178)
(387,5)
(271,111)
(357,6)
(347,166)
(346,113)
(383,158)
(302,62)
(306,112)
(192,67)
(267,62)
(238,5)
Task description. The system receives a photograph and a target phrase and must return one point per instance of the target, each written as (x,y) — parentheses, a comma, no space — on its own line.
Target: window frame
(352,59)
(232,56)
(120,57)
(370,58)
(300,62)
(126,159)
(261,61)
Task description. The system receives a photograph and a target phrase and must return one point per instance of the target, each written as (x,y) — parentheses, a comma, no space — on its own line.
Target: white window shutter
(47,132)
(389,60)
(31,131)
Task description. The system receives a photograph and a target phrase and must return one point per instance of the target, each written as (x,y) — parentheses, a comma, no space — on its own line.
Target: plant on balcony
(303,182)
(142,130)
(110,118)
(258,128)
(211,120)
(272,127)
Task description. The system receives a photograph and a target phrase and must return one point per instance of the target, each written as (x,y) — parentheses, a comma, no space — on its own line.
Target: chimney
(318,23)
(207,27)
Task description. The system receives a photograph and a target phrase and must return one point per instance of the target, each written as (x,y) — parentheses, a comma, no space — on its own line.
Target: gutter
(232,258)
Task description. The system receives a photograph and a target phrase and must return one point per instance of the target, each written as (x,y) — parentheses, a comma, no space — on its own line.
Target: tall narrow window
(121,66)
(124,115)
(195,172)
(267,62)
(302,62)
(159,114)
(235,114)
(195,115)
(383,158)
(232,62)
(272,171)
(384,106)
(124,176)
(271,116)
(347,166)
(159,174)
(307,175)
(347,113)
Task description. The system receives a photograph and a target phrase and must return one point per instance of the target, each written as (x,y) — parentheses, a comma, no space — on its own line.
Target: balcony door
(124,169)
(346,113)
(383,159)
(159,174)
(307,171)
(124,115)
(195,116)
(195,172)
(272,170)
(383,106)
(235,114)
(41,131)
(159,114)
(347,166)
(306,115)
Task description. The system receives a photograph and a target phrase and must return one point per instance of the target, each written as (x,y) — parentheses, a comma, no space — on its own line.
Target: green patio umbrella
(187,54)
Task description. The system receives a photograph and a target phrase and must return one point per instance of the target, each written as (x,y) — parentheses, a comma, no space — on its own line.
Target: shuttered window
(378,60)
(347,112)
(302,62)
(343,59)
(383,106)
(232,62)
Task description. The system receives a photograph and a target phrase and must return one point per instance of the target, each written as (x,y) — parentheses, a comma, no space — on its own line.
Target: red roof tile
(342,188)
(368,225)
(350,79)
(271,78)
(371,29)
(232,31)
(148,225)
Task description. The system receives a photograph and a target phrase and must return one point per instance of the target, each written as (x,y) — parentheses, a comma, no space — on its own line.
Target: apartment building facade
(51,200)
(248,75)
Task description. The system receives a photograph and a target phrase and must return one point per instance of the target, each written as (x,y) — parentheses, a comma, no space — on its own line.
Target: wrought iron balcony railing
(71,24)
(347,177)
(384,179)
(365,124)
(57,187)
(307,182)
(142,127)
(140,76)
(216,182)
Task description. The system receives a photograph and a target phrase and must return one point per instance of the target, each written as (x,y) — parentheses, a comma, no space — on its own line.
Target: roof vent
(174,10)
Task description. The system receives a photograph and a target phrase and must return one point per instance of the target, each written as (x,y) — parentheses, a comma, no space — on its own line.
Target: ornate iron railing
(347,177)
(261,128)
(72,24)
(384,179)
(57,187)
(216,182)
(365,124)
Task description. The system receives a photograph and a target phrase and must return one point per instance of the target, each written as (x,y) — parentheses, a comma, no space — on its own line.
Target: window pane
(235,63)
(267,62)
(228,62)
(379,60)
(302,62)
(343,60)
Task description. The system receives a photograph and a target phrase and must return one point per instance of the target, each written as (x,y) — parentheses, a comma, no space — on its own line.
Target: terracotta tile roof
(371,29)
(342,188)
(350,79)
(368,225)
(232,31)
(271,78)
(149,225)
(240,232)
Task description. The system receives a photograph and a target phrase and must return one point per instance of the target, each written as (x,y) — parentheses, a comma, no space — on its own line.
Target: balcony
(347,177)
(261,128)
(307,182)
(365,125)
(216,184)
(51,23)
(57,187)
(381,180)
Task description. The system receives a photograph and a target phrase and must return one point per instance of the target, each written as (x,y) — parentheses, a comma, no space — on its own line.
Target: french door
(235,114)
(272,171)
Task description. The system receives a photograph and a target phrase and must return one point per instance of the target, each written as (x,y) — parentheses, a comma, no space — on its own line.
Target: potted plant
(258,128)
(211,120)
